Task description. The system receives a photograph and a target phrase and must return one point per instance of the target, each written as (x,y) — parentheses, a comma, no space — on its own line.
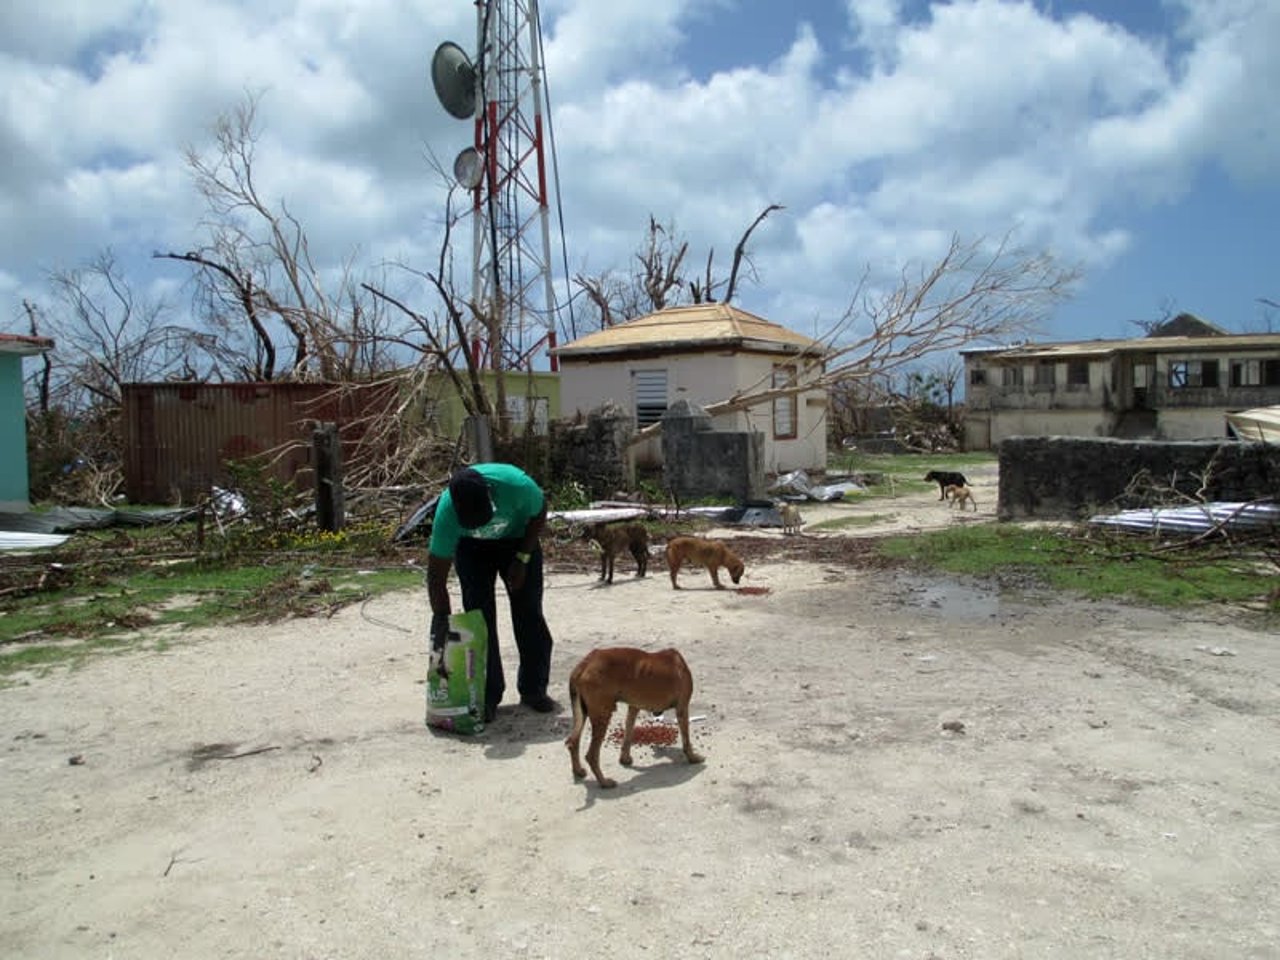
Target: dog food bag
(456,702)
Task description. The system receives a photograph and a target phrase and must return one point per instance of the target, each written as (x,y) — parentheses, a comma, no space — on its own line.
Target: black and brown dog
(613,539)
(946,478)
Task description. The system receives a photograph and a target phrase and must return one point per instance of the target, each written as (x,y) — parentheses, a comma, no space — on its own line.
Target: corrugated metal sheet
(1251,517)
(1260,425)
(179,437)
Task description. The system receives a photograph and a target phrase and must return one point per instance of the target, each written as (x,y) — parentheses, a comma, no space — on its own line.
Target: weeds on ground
(99,590)
(1097,566)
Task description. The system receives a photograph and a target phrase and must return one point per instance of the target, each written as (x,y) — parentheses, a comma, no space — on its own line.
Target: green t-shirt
(517,499)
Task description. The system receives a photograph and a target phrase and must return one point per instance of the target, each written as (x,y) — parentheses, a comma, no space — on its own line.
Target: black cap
(469,492)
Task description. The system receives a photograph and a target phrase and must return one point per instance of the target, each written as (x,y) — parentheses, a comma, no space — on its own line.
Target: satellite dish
(454,78)
(468,168)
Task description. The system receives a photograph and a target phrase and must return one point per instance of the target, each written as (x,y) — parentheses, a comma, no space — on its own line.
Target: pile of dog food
(647,735)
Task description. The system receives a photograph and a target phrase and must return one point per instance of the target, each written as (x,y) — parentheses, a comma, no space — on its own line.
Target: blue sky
(1139,139)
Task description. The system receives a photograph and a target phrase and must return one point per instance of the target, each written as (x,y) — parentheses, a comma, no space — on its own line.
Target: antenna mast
(511,258)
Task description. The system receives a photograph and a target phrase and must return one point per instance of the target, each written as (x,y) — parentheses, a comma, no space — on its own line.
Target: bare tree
(740,255)
(656,283)
(947,374)
(660,280)
(107,335)
(260,287)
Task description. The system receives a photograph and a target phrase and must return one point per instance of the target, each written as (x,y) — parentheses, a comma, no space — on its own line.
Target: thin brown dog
(959,494)
(613,539)
(643,681)
(705,553)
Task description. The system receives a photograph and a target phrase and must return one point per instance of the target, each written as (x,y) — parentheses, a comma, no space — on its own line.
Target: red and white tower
(506,171)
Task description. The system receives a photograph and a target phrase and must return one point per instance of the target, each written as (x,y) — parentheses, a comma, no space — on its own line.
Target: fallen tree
(975,292)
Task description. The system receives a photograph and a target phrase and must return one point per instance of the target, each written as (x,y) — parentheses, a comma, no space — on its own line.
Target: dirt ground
(1110,786)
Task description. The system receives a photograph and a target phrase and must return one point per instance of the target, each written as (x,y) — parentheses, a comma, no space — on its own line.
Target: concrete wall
(699,461)
(988,429)
(1074,477)
(701,379)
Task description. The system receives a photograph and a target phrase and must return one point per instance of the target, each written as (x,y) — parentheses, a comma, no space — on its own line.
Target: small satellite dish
(468,168)
(454,79)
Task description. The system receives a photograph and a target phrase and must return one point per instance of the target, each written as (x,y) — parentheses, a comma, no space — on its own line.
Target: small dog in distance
(960,494)
(946,478)
(791,519)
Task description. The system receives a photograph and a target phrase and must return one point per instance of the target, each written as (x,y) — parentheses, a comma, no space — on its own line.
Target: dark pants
(479,564)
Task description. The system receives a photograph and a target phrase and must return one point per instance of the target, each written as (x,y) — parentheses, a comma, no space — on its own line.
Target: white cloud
(976,116)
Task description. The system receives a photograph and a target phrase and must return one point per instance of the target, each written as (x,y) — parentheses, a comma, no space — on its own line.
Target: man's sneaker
(541,703)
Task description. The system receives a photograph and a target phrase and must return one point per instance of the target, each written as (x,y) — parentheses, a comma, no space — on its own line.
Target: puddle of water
(952,599)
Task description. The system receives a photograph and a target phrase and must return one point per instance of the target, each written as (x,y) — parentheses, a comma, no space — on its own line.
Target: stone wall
(594,451)
(698,461)
(1069,478)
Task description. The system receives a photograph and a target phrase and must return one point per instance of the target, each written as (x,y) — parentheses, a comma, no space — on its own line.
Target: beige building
(1158,387)
(704,353)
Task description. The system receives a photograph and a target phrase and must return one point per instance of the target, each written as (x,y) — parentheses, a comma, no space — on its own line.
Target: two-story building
(1157,387)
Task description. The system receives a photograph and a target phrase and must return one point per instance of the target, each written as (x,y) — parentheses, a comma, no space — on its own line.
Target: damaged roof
(24,346)
(698,326)
(1096,348)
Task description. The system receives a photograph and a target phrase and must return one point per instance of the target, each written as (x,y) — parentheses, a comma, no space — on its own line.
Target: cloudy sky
(1138,138)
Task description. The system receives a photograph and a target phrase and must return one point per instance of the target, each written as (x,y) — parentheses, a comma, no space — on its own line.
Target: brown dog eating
(643,681)
(704,553)
(612,540)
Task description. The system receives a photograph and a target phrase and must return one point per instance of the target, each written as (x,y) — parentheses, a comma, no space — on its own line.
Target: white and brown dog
(791,519)
(643,681)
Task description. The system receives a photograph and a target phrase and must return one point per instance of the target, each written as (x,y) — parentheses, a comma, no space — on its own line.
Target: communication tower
(505,171)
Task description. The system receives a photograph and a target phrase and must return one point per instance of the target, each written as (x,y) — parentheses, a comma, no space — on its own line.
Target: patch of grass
(39,658)
(105,611)
(1099,568)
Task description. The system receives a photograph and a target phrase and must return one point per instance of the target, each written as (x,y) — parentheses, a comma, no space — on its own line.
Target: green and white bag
(456,702)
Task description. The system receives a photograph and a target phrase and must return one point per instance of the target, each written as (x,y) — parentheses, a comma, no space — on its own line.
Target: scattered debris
(1215,651)
(228,504)
(31,541)
(419,518)
(797,485)
(953,726)
(76,761)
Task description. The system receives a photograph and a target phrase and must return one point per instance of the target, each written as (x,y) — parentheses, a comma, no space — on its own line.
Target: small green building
(532,397)
(15,489)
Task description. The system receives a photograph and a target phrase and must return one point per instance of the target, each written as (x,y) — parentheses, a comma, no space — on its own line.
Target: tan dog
(959,494)
(791,519)
(704,553)
(613,539)
(643,681)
